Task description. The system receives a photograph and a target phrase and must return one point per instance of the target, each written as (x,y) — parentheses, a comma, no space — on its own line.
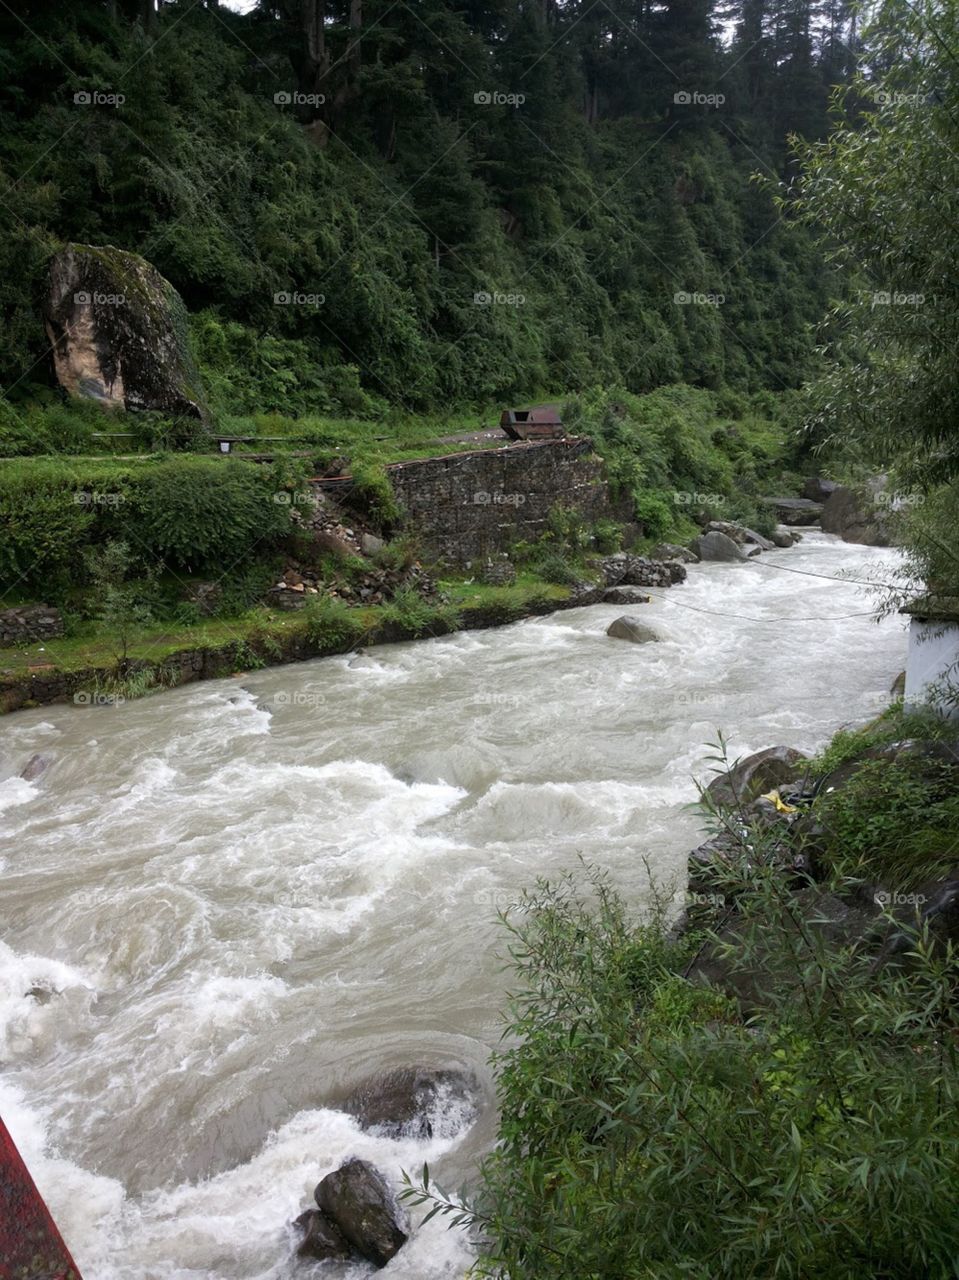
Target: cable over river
(224,905)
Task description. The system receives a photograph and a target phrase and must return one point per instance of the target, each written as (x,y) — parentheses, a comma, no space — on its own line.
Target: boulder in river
(34,767)
(783,538)
(760,772)
(321,1238)
(118,332)
(740,533)
(357,1199)
(718,546)
(408,1101)
(629,628)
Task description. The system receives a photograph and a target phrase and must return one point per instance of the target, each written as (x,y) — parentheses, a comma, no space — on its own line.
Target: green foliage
(647,1131)
(410,610)
(331,625)
(179,512)
(121,605)
(374,494)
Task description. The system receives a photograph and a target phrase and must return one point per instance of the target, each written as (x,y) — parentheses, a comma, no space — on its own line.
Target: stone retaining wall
(29,624)
(467,506)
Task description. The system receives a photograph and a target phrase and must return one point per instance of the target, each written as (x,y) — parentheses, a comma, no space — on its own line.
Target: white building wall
(932,660)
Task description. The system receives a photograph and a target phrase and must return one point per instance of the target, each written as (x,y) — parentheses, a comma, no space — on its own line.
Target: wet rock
(614,568)
(321,1238)
(718,547)
(671,551)
(118,332)
(749,778)
(898,686)
(740,533)
(624,595)
(42,995)
(630,628)
(640,571)
(35,767)
(358,1201)
(783,538)
(405,1102)
(677,571)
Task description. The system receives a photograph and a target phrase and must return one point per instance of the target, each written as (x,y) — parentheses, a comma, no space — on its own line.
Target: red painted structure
(31,1247)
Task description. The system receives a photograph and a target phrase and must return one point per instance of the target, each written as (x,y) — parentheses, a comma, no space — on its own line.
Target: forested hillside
(465,202)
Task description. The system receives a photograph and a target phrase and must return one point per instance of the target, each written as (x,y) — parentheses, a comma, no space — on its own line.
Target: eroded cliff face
(119,333)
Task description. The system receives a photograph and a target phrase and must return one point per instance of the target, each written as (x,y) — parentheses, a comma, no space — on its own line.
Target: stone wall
(466,506)
(29,624)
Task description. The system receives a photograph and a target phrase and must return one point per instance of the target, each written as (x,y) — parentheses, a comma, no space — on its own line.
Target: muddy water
(252,893)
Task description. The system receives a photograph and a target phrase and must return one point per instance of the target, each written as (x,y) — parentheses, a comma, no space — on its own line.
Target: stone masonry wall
(29,624)
(467,506)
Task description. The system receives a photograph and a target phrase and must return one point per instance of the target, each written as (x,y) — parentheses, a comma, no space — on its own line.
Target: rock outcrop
(118,332)
(857,517)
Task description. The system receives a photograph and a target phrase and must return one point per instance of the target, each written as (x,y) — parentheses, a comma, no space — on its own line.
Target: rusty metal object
(541,423)
(31,1247)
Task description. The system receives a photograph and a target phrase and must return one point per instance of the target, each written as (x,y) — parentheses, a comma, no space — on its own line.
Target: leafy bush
(410,610)
(374,495)
(649,1131)
(332,625)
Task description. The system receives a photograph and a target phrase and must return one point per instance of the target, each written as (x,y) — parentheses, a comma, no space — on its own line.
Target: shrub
(332,625)
(374,494)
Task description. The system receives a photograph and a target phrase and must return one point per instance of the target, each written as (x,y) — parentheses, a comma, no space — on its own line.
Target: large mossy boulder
(119,332)
(746,779)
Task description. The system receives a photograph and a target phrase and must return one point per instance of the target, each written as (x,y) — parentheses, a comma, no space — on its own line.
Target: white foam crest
(25,1022)
(16,791)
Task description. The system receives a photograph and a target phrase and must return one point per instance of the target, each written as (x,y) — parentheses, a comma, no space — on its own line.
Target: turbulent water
(251,894)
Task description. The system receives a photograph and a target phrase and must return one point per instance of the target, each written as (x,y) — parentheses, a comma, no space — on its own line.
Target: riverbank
(242,898)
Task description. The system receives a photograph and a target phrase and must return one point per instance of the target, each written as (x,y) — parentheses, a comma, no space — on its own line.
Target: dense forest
(475,201)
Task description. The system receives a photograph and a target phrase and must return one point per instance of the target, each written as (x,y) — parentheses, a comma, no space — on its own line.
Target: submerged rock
(357,1199)
(407,1101)
(119,332)
(630,628)
(34,767)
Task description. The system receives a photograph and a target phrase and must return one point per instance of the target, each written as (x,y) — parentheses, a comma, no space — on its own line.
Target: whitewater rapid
(247,896)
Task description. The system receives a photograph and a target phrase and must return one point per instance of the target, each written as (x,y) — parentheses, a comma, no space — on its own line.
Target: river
(251,894)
